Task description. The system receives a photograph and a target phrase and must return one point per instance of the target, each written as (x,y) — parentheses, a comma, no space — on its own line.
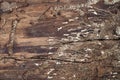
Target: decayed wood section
(59,39)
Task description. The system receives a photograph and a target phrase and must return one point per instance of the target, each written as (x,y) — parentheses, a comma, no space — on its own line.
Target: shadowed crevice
(33,49)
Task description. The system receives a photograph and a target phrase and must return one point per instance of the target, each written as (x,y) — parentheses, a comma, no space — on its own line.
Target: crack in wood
(45,58)
(87,40)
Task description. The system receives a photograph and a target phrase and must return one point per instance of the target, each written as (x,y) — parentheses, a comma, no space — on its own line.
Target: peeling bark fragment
(11,43)
(6,6)
(118,31)
(111,1)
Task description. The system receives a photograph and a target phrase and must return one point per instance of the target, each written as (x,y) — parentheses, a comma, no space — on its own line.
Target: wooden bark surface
(59,40)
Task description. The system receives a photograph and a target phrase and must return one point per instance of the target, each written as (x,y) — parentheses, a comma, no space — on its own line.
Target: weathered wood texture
(59,39)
